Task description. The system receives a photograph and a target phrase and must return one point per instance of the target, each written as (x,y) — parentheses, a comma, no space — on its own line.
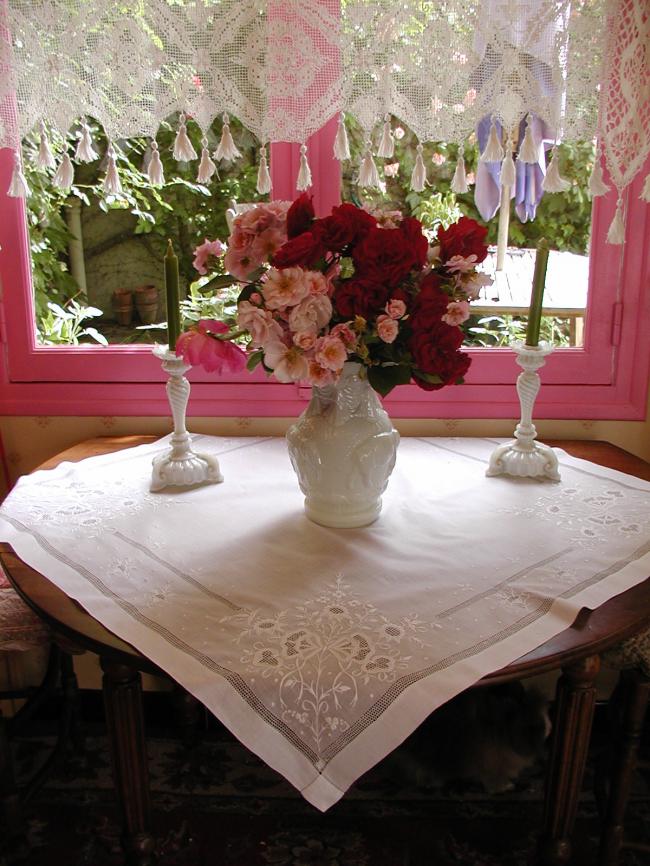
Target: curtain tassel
(45,158)
(112,185)
(419,174)
(553,181)
(263,174)
(341,144)
(459,180)
(64,175)
(508,170)
(155,171)
(85,151)
(616,233)
(386,147)
(645,192)
(18,188)
(183,149)
(597,185)
(206,167)
(528,152)
(226,149)
(493,151)
(368,174)
(304,174)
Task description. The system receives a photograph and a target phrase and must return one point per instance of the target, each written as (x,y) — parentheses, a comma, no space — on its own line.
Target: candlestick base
(181,466)
(523,457)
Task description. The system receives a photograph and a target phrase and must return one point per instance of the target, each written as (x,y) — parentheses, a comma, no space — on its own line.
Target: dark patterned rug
(215,804)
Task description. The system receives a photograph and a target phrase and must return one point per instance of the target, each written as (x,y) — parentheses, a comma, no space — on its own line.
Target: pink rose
(239,262)
(318,375)
(460,264)
(317,282)
(204,252)
(198,348)
(457,312)
(395,308)
(287,362)
(345,333)
(330,353)
(284,288)
(259,322)
(305,340)
(387,329)
(312,314)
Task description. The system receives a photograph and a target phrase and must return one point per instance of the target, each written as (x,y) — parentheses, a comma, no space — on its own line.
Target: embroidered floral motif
(322,652)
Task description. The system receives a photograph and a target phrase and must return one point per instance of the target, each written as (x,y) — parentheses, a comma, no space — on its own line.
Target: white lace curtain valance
(284,68)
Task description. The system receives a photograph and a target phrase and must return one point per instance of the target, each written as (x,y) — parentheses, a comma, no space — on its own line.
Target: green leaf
(254,359)
(384,378)
(431,378)
(94,333)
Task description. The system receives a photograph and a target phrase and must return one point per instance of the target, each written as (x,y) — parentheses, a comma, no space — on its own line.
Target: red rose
(429,305)
(300,216)
(437,352)
(464,238)
(359,297)
(304,250)
(388,255)
(346,225)
(412,228)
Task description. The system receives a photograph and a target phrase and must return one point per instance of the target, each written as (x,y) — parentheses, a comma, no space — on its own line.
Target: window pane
(564,219)
(97,259)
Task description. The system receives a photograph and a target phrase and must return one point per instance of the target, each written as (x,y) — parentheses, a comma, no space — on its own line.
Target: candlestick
(523,456)
(537,295)
(172,295)
(180,466)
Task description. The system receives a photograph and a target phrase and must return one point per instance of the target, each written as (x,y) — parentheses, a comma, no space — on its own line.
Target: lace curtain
(284,68)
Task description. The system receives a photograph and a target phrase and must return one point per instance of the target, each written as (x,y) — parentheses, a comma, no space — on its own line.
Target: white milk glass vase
(343,450)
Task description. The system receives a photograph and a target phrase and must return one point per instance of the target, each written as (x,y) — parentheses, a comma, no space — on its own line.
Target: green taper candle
(537,295)
(172,296)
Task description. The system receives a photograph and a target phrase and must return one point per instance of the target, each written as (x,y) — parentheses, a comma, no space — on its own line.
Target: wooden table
(576,651)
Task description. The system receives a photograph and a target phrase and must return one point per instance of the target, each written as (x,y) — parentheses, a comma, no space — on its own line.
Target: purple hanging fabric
(487,189)
(528,190)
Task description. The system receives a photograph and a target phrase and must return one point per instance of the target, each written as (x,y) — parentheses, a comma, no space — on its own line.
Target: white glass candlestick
(180,466)
(523,456)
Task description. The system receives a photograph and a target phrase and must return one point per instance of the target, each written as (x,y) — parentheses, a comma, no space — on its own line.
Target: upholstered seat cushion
(20,628)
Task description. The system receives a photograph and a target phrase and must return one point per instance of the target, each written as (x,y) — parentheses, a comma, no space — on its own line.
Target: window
(607,377)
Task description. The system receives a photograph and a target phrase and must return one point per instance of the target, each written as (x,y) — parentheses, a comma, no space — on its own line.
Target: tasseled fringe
(553,181)
(155,171)
(341,144)
(226,149)
(528,152)
(597,185)
(18,188)
(64,175)
(304,174)
(263,174)
(45,158)
(645,192)
(508,171)
(206,167)
(459,180)
(616,233)
(112,185)
(183,149)
(386,147)
(419,174)
(368,174)
(85,151)
(493,151)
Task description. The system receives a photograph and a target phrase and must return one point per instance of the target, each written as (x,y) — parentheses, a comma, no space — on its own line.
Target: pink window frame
(607,378)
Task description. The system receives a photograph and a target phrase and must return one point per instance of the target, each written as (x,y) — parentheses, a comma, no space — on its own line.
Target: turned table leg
(636,695)
(123,703)
(575,699)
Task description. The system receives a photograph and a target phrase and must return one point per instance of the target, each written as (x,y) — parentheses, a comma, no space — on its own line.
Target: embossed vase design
(343,450)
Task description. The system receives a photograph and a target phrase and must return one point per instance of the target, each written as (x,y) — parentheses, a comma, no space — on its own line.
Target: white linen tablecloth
(322,649)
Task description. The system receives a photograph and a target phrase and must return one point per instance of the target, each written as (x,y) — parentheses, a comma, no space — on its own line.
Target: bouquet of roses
(352,286)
